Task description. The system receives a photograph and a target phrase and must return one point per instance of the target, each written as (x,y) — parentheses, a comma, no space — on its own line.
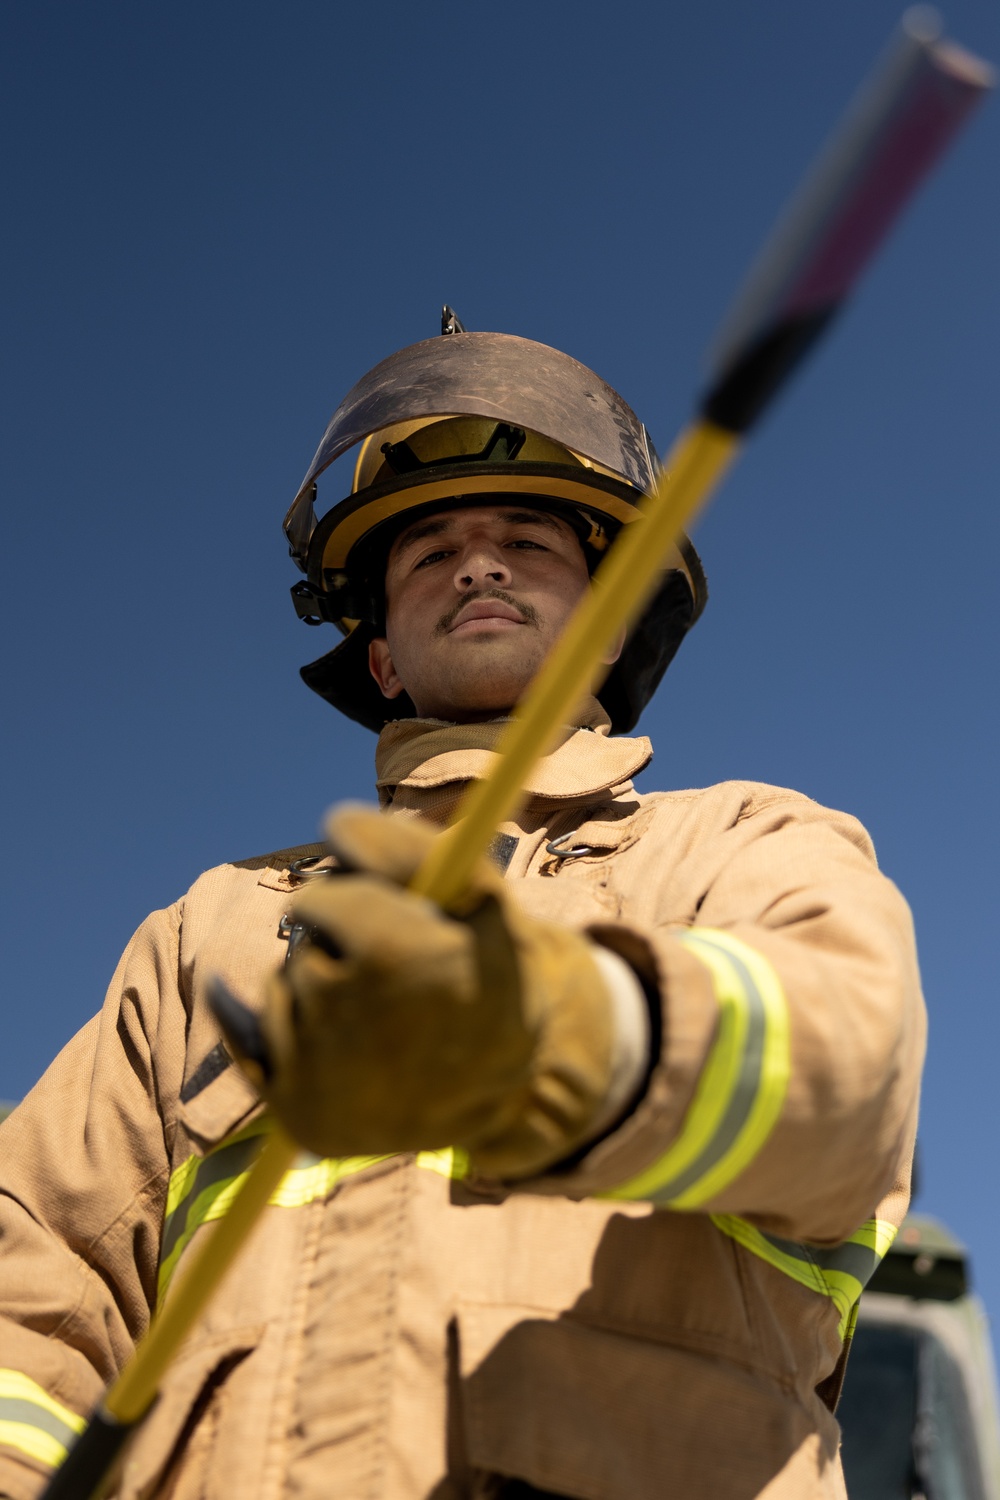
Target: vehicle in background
(919,1408)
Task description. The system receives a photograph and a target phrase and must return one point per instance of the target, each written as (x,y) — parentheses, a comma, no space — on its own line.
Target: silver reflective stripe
(30,1414)
(859,1261)
(222,1165)
(745,1093)
(840,1273)
(202,1188)
(33,1422)
(741,1083)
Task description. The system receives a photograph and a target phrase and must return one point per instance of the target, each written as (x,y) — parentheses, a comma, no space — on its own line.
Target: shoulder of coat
(756,796)
(275,870)
(730,802)
(750,795)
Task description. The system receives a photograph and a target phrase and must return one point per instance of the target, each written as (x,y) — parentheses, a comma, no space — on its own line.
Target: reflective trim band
(852,1321)
(742,1086)
(452,1162)
(203,1188)
(840,1274)
(33,1422)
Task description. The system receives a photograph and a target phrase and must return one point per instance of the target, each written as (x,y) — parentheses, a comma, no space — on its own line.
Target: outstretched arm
(83,1174)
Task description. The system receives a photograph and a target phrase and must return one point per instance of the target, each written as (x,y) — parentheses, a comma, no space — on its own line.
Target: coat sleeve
(785,1085)
(83,1173)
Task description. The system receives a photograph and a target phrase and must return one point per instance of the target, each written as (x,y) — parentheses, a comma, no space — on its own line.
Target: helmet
(457,421)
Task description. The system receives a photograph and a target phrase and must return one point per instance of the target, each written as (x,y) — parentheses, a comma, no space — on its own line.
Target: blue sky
(218,216)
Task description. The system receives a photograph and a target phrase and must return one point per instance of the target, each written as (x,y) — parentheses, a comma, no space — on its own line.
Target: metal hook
(558,852)
(301,870)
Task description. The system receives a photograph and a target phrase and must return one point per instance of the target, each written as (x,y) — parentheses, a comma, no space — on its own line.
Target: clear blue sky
(218,216)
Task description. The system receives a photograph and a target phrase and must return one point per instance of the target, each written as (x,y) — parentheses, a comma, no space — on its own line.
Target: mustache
(527,611)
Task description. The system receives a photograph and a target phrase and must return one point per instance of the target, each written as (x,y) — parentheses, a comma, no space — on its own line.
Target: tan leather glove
(485,1030)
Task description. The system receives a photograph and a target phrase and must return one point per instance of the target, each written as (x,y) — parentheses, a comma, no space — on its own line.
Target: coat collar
(425,754)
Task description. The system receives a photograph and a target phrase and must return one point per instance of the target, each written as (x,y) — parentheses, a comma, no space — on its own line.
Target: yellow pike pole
(622,585)
(91,1461)
(846,205)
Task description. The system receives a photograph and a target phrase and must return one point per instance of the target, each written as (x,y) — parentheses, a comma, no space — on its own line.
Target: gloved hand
(403,1028)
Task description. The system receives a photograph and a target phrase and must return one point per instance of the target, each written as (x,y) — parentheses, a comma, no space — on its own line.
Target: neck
(589,714)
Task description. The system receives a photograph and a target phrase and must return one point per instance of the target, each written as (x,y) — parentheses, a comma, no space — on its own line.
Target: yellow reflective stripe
(201,1190)
(314,1177)
(206,1186)
(452,1162)
(852,1321)
(840,1273)
(876,1235)
(180,1184)
(742,1084)
(33,1422)
(309,1179)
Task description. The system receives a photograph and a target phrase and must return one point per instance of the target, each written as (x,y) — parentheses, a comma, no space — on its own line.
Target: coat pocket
(586,1412)
(190,1445)
(210,1110)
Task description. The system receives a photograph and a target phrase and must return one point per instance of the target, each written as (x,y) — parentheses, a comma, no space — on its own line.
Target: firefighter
(594,1166)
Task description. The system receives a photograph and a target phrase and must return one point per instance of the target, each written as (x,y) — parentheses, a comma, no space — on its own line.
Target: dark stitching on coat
(378,1440)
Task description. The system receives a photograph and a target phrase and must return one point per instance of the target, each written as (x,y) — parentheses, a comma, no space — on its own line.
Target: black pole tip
(240,1025)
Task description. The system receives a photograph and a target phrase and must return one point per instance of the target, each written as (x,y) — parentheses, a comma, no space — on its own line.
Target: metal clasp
(296,934)
(555,848)
(301,870)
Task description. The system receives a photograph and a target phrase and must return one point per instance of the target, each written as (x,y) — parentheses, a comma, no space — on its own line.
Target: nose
(481,565)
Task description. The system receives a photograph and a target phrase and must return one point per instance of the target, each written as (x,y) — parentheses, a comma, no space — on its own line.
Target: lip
(482,611)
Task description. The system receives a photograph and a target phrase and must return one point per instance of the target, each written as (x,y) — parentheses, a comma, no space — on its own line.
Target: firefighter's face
(474,600)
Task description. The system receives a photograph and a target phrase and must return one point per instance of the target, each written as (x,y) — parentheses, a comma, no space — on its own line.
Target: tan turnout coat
(653,1321)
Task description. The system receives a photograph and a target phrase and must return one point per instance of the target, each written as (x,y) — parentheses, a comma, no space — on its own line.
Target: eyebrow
(420,530)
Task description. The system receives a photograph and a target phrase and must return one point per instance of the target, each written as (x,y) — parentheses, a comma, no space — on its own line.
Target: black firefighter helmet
(460,421)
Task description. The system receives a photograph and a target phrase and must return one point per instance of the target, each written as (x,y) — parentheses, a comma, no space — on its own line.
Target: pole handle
(83,1475)
(132,1395)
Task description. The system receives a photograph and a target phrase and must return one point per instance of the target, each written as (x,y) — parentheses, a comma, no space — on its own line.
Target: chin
(463,709)
(491,700)
(475,684)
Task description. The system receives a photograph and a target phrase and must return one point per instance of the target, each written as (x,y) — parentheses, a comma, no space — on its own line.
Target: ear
(381,667)
(613,652)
